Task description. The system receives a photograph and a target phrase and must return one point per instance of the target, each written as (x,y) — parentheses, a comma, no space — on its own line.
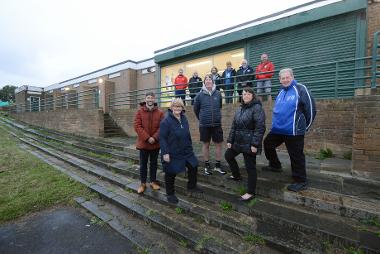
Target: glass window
(201,65)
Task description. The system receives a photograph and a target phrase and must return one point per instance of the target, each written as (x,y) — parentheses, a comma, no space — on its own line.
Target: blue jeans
(229,92)
(144,156)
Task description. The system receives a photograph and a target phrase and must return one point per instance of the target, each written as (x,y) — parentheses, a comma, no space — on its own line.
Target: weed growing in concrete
(353,250)
(252,202)
(143,251)
(372,222)
(347,155)
(226,206)
(254,239)
(150,212)
(202,241)
(183,243)
(324,154)
(96,221)
(241,190)
(178,210)
(128,190)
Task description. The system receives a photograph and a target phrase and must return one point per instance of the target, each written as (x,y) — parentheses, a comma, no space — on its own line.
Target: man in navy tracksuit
(293,114)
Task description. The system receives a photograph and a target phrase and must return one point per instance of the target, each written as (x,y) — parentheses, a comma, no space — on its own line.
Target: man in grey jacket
(207,108)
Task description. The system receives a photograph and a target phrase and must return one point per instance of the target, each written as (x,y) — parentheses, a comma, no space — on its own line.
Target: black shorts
(216,133)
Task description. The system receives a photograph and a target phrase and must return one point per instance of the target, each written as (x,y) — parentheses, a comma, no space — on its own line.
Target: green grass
(254,239)
(28,184)
(179,210)
(324,154)
(226,206)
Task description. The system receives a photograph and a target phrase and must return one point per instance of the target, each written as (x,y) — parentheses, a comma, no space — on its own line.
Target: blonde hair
(177,102)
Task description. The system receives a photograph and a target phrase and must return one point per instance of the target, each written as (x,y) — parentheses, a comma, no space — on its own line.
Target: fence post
(336,79)
(375,47)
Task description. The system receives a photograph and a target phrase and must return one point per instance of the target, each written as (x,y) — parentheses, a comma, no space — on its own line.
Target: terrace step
(269,212)
(178,225)
(270,185)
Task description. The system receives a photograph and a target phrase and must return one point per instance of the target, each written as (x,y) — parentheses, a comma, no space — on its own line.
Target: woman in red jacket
(147,127)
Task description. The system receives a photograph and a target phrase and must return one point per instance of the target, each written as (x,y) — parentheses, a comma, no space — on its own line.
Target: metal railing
(85,99)
(335,79)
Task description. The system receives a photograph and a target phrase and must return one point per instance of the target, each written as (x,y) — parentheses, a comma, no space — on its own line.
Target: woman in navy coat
(176,149)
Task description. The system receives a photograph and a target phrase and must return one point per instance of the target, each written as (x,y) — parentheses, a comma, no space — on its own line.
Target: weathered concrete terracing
(339,212)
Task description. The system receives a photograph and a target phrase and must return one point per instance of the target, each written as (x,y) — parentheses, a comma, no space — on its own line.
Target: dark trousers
(144,156)
(295,145)
(191,183)
(181,93)
(250,166)
(192,99)
(229,92)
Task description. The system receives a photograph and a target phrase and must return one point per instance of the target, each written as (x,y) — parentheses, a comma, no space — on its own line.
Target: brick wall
(373,21)
(332,128)
(366,136)
(86,122)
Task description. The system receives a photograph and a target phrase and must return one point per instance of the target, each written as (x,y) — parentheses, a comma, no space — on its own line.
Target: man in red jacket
(147,127)
(264,73)
(180,84)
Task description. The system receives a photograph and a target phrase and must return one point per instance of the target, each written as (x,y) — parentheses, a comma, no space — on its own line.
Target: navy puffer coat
(207,107)
(175,140)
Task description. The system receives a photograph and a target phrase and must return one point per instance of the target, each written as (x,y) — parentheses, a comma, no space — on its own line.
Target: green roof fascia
(322,12)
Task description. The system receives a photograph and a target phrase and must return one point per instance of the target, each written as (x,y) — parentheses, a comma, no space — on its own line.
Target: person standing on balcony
(147,126)
(177,150)
(293,113)
(244,76)
(195,85)
(216,78)
(180,85)
(207,109)
(264,73)
(246,137)
(228,79)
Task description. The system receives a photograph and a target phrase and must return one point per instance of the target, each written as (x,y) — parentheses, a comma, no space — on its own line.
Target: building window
(201,65)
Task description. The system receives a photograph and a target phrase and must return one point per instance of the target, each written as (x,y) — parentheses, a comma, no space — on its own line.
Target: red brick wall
(331,129)
(366,137)
(86,122)
(373,21)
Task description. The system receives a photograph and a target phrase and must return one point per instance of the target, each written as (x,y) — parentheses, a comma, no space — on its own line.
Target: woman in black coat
(246,137)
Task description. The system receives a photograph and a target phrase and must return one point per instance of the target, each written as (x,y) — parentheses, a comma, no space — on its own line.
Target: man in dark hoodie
(147,127)
(207,108)
(195,85)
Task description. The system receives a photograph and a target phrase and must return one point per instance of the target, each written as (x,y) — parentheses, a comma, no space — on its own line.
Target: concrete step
(265,207)
(186,229)
(271,185)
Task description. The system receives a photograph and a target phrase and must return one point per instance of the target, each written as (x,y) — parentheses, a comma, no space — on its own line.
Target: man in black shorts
(207,108)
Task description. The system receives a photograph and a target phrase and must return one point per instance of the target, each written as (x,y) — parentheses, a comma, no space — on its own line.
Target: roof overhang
(298,15)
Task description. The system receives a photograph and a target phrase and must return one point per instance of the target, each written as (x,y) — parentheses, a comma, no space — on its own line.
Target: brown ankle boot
(141,188)
(154,186)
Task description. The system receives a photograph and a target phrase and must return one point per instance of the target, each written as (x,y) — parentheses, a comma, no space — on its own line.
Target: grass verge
(28,184)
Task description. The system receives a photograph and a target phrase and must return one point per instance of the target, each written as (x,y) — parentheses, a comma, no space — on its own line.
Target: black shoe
(253,196)
(195,190)
(208,172)
(296,187)
(172,199)
(270,168)
(234,178)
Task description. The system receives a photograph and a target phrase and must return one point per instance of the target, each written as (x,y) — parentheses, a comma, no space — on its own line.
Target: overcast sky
(43,42)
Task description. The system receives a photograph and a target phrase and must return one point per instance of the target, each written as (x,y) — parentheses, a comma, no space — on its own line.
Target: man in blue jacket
(207,108)
(293,113)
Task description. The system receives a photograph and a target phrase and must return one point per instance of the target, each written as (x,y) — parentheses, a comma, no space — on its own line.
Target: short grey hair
(282,71)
